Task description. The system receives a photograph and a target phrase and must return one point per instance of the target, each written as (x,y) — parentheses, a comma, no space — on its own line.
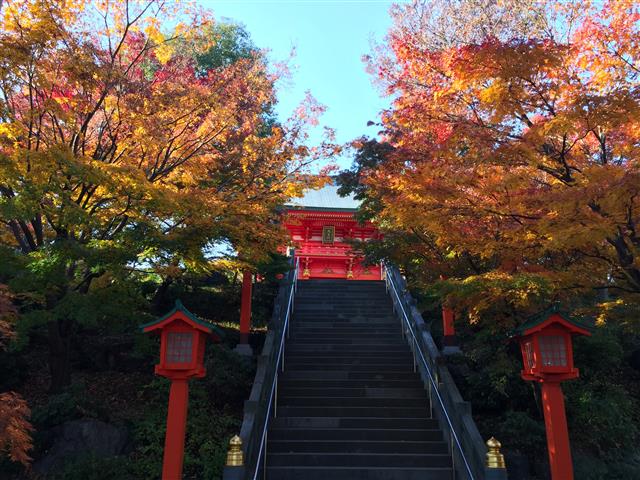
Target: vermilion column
(176,427)
(245,307)
(448,327)
(557,433)
(447,323)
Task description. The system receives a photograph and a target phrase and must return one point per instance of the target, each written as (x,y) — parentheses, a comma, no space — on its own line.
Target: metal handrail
(417,348)
(279,364)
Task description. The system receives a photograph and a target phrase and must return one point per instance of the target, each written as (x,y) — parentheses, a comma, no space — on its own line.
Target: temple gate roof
(326,198)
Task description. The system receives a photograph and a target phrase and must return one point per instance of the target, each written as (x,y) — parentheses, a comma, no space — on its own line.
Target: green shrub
(601,419)
(94,468)
(59,409)
(588,467)
(524,433)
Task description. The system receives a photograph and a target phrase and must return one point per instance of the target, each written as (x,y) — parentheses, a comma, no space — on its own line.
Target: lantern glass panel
(179,347)
(553,350)
(528,355)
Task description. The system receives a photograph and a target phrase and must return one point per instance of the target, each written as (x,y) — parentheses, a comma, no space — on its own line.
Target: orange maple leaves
(15,438)
(15,429)
(520,149)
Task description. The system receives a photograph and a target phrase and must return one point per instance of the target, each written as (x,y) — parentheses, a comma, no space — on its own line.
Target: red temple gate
(321,224)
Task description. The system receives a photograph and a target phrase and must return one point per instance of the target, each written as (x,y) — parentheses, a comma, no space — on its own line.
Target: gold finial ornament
(234,455)
(495,459)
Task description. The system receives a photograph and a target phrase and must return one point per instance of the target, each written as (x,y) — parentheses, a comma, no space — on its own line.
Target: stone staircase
(350,406)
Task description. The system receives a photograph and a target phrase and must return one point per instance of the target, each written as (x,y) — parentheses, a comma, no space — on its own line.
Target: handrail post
(453,458)
(264,460)
(282,359)
(430,402)
(495,467)
(275,399)
(234,468)
(415,363)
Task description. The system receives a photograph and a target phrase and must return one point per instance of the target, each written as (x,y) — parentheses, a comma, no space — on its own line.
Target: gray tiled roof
(326,198)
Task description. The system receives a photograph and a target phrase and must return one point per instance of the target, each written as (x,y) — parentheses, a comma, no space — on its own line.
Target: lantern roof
(549,317)
(180,312)
(326,198)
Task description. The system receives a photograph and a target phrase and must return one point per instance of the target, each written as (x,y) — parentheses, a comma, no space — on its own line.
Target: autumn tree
(514,152)
(15,428)
(126,147)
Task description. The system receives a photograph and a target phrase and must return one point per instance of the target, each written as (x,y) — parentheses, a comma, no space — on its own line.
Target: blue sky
(330,37)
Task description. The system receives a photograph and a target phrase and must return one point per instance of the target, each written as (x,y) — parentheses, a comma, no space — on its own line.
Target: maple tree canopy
(514,157)
(130,146)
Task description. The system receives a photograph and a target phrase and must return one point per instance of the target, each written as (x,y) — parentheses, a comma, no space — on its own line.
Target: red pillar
(557,434)
(448,327)
(176,427)
(245,307)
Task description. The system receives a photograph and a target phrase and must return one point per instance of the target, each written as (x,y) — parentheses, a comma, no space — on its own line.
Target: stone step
(362,355)
(389,382)
(358,460)
(349,402)
(361,423)
(346,354)
(290,389)
(339,303)
(373,368)
(343,299)
(356,446)
(344,325)
(389,359)
(327,316)
(348,321)
(329,337)
(345,296)
(321,347)
(370,308)
(339,315)
(379,412)
(357,473)
(354,294)
(341,328)
(382,434)
(356,340)
(350,304)
(319,375)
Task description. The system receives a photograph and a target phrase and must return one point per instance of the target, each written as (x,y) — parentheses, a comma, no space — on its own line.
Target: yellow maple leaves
(520,151)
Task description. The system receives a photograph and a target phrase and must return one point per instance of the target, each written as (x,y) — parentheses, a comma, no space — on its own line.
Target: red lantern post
(547,354)
(182,345)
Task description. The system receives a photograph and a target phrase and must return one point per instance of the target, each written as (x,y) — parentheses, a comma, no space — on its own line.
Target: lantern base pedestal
(450,345)
(495,474)
(233,473)
(244,349)
(451,350)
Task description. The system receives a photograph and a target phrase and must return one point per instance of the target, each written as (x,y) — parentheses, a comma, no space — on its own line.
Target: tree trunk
(158,302)
(59,355)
